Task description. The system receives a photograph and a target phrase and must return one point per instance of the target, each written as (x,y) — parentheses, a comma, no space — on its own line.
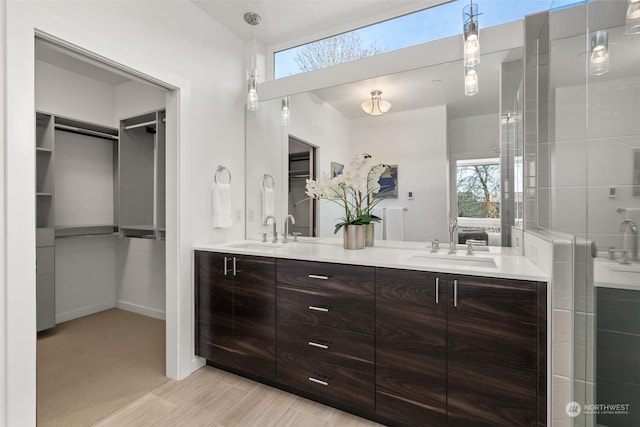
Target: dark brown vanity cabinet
(459,350)
(235,312)
(326,331)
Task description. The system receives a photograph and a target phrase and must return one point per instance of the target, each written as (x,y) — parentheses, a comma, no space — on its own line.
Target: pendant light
(376,106)
(285,113)
(470,80)
(252,19)
(633,18)
(599,57)
(471,35)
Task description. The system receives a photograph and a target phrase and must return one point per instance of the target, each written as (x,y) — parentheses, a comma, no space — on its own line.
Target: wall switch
(238,215)
(612,192)
(410,195)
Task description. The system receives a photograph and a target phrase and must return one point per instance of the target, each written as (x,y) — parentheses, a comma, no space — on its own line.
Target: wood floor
(214,398)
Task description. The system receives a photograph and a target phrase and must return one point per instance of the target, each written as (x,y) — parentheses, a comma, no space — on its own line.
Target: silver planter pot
(353,236)
(369,234)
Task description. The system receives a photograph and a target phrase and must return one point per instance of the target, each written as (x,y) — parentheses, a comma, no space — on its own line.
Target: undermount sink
(258,246)
(456,260)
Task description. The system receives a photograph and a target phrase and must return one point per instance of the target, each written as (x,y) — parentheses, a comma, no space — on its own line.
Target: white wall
(422,163)
(68,94)
(3,312)
(133,98)
(173,42)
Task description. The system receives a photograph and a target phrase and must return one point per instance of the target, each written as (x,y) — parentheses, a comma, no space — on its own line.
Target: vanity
(392,333)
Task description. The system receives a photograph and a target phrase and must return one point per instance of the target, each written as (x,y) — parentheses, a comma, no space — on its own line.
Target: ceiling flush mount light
(633,18)
(470,80)
(471,34)
(376,106)
(252,19)
(285,113)
(599,58)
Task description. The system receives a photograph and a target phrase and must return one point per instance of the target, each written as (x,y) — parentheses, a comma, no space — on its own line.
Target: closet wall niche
(100,182)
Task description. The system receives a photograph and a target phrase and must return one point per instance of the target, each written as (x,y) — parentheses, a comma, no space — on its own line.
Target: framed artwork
(389,183)
(336,169)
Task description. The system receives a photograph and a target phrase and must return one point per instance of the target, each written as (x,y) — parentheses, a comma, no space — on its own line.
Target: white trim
(478,162)
(145,311)
(3,316)
(84,311)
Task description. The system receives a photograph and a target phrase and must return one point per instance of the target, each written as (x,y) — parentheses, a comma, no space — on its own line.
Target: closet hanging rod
(85,131)
(139,125)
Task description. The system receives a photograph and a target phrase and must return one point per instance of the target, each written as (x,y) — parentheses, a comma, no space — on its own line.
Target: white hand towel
(221,199)
(268,202)
(394,223)
(378,228)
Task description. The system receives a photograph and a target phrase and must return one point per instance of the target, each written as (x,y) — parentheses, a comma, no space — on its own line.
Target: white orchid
(354,190)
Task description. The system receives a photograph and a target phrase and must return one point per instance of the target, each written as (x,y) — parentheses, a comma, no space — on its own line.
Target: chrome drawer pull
(317,344)
(316,308)
(225,266)
(455,293)
(317,381)
(318,276)
(437,290)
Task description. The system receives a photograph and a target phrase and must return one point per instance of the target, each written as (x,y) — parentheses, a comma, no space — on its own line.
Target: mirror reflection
(452,154)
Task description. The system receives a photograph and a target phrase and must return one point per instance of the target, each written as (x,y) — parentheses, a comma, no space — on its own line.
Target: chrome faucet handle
(469,248)
(453,223)
(264,237)
(435,245)
(295,235)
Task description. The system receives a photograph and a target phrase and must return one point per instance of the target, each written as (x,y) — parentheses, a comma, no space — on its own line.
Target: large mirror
(452,154)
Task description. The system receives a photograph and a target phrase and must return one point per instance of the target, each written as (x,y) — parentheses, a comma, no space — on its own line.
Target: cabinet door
(254,306)
(214,308)
(411,347)
(492,352)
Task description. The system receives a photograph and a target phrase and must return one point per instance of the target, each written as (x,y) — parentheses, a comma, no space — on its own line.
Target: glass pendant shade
(285,112)
(470,81)
(376,106)
(471,35)
(599,57)
(632,26)
(252,92)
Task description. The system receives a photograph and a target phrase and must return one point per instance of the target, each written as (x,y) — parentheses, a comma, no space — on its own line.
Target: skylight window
(408,30)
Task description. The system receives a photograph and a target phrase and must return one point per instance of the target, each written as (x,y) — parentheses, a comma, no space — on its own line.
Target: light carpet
(88,368)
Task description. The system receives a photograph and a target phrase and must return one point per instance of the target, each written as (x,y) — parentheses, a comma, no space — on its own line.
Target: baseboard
(83,311)
(145,311)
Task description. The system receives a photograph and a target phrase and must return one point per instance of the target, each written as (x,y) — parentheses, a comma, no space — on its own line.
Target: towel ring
(221,169)
(265,181)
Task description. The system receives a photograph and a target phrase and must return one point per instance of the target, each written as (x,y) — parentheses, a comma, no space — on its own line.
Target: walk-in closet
(100,247)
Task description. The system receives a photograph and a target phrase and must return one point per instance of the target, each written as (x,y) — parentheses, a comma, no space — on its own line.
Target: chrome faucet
(627,223)
(275,233)
(286,227)
(453,226)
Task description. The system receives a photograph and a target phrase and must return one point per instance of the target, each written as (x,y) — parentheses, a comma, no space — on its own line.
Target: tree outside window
(478,184)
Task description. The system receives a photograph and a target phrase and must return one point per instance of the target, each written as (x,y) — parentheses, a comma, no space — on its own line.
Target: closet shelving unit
(45,222)
(142,175)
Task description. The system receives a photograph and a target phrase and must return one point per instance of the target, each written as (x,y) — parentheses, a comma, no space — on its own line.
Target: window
(478,189)
(408,30)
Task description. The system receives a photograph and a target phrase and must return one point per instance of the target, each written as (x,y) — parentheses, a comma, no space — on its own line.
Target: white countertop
(498,262)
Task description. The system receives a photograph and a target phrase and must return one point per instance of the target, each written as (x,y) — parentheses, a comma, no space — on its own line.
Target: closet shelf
(44,150)
(44,194)
(85,230)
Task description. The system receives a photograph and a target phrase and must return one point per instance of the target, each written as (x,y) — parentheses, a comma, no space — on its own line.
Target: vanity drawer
(337,278)
(322,307)
(327,381)
(349,349)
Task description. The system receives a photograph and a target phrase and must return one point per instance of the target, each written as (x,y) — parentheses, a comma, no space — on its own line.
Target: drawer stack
(325,330)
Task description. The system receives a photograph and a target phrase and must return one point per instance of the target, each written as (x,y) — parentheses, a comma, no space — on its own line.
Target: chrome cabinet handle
(319,345)
(455,293)
(225,266)
(235,269)
(317,381)
(318,276)
(316,308)
(437,290)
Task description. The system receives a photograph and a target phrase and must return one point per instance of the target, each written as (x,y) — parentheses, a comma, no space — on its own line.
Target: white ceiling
(299,21)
